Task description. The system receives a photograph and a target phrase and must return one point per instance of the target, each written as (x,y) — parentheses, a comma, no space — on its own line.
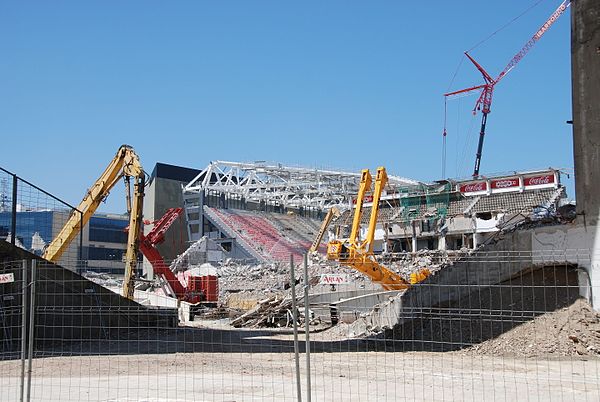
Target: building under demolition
(267,212)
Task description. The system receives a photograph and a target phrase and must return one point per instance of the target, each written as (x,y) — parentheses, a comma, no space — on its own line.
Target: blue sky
(331,84)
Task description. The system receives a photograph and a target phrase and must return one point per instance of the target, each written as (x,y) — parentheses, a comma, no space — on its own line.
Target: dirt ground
(343,376)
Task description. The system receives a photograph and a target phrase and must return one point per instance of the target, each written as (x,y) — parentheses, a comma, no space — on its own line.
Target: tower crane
(484,102)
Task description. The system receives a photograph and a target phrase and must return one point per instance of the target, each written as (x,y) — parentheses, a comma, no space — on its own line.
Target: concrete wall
(162,194)
(512,255)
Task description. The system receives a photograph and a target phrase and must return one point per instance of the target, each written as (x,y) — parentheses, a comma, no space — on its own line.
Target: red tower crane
(484,102)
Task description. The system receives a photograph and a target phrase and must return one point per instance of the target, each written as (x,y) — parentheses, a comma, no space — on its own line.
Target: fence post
(306,328)
(31,326)
(80,253)
(23,328)
(13,225)
(295,319)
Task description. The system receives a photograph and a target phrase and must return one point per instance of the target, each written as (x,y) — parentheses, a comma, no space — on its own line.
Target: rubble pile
(272,312)
(407,264)
(570,331)
(102,279)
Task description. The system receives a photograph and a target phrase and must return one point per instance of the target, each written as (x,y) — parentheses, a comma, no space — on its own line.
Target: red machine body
(199,288)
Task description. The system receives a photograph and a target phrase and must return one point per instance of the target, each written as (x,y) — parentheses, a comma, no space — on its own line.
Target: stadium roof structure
(276,184)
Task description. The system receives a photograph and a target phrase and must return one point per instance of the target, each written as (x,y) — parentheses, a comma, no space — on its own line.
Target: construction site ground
(337,376)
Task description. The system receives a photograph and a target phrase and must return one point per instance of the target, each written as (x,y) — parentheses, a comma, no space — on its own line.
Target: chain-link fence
(31,218)
(486,327)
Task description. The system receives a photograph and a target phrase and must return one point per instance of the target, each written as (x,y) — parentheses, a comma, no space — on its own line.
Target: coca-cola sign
(540,180)
(368,198)
(507,182)
(473,187)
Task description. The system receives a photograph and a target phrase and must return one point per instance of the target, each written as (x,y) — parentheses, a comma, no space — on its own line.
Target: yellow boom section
(359,255)
(332,213)
(125,163)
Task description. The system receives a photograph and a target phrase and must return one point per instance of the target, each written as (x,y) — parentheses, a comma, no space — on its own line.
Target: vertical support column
(414,237)
(23,328)
(307,328)
(13,225)
(442,242)
(80,266)
(200,214)
(585,66)
(295,323)
(31,326)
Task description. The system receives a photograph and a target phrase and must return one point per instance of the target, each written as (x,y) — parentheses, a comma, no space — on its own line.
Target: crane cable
(504,26)
(445,132)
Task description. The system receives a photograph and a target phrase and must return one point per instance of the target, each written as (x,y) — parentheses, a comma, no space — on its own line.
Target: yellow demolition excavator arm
(125,164)
(333,212)
(358,254)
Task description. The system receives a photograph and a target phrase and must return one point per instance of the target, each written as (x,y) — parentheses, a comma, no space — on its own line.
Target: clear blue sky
(332,84)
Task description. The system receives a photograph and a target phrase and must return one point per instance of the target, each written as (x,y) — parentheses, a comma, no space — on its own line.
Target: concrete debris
(102,279)
(270,312)
(200,252)
(570,331)
(37,242)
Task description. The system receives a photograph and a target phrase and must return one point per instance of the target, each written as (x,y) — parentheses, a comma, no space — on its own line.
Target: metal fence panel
(525,334)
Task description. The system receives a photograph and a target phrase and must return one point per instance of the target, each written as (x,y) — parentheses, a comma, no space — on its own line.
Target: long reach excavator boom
(125,164)
(358,254)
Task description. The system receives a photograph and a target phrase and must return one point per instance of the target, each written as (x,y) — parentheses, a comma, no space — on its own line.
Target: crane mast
(484,102)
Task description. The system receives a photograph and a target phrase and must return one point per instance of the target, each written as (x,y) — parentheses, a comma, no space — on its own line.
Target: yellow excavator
(357,254)
(333,212)
(125,164)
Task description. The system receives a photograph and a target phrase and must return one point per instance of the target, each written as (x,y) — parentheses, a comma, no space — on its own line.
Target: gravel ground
(342,376)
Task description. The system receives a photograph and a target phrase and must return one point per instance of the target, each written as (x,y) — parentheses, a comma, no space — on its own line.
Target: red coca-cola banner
(508,182)
(368,198)
(539,180)
(473,187)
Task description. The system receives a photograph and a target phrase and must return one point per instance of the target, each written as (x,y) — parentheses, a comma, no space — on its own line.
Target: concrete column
(585,64)
(442,242)
(474,226)
(414,237)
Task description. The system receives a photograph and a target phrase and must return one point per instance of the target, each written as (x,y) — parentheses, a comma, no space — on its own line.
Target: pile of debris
(102,279)
(270,312)
(408,263)
(570,331)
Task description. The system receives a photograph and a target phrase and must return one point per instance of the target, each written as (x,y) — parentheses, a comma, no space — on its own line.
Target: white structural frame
(276,184)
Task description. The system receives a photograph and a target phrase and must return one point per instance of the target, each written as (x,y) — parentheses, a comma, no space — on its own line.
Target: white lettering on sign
(539,180)
(7,278)
(505,183)
(473,187)
(334,279)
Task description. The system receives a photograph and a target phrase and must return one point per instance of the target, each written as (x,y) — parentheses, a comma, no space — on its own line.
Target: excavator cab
(335,249)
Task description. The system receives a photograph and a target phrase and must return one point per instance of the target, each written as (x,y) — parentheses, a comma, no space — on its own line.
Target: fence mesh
(491,326)
(31,218)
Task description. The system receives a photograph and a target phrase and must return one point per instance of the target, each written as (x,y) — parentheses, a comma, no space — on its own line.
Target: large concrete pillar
(585,63)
